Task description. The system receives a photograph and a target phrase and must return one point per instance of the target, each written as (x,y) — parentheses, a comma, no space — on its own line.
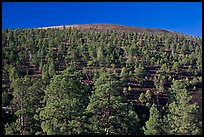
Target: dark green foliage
(64,105)
(139,71)
(100,56)
(148,95)
(154,125)
(182,116)
(27,97)
(51,69)
(124,75)
(109,113)
(69,62)
(142,98)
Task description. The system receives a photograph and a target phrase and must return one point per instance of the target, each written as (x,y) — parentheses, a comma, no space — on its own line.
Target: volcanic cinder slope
(114,27)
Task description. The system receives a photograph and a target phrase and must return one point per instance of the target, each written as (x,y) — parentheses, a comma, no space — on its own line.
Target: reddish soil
(114,27)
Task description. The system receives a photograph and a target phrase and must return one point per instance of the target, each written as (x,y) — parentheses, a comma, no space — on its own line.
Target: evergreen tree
(64,104)
(63,109)
(20,103)
(182,117)
(109,114)
(153,125)
(12,73)
(148,95)
(51,69)
(124,75)
(100,56)
(142,98)
(139,71)
(27,96)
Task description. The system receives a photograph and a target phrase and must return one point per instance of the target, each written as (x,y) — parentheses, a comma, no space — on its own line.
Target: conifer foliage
(99,81)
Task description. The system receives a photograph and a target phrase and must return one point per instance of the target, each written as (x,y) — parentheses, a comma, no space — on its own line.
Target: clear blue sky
(184,17)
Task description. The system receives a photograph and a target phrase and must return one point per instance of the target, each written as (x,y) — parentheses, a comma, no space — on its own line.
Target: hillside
(56,74)
(114,27)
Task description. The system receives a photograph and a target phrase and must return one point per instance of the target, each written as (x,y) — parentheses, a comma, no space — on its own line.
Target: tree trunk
(22,119)
(158,99)
(107,131)
(107,114)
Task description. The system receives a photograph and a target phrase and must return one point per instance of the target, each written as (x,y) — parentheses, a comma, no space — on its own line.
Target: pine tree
(159,84)
(142,98)
(139,71)
(51,69)
(124,75)
(100,56)
(129,61)
(108,112)
(27,96)
(182,117)
(12,73)
(20,89)
(148,95)
(153,125)
(199,61)
(64,105)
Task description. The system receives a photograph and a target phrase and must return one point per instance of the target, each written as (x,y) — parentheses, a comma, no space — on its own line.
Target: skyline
(182,17)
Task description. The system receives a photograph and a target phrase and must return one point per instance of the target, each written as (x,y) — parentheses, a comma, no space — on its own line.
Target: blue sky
(184,17)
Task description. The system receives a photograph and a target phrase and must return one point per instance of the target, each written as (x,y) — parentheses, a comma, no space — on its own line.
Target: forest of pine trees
(100,82)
